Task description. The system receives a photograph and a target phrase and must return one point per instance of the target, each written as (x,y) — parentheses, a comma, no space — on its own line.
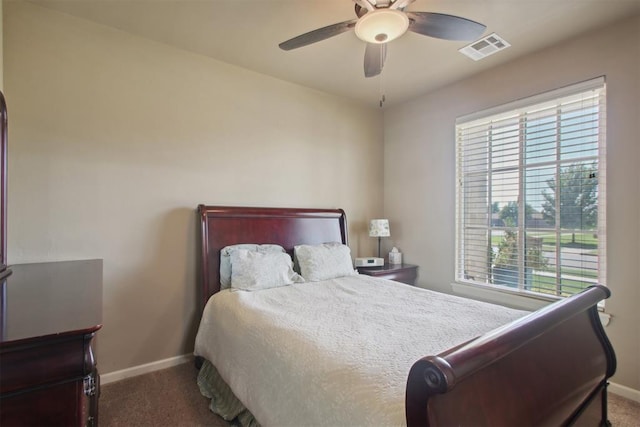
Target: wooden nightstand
(405,273)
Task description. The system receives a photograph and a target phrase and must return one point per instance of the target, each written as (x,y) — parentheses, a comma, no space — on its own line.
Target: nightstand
(405,273)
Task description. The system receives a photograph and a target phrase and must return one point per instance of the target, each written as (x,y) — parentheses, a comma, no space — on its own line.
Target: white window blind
(530,208)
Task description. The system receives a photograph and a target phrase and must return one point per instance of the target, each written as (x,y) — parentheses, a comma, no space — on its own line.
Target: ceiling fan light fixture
(382,26)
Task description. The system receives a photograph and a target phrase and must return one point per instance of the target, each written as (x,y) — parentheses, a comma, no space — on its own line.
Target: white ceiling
(247,33)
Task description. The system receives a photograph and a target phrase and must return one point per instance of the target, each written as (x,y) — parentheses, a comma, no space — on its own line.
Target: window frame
(519,109)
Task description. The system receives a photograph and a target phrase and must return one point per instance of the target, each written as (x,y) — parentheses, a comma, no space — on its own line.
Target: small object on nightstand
(405,273)
(395,256)
(369,262)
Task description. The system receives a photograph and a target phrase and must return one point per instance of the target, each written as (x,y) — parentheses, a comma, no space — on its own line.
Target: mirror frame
(3,183)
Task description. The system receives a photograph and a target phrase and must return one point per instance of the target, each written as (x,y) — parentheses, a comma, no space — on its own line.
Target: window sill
(499,296)
(510,298)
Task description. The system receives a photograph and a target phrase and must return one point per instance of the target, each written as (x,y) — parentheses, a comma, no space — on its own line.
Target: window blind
(531,193)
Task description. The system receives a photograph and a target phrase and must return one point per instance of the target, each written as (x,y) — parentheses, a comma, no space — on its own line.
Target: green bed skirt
(223,401)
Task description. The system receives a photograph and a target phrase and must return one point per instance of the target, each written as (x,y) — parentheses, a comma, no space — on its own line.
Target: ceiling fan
(381,21)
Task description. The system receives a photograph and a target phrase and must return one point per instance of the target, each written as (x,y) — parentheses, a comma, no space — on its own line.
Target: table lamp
(379,228)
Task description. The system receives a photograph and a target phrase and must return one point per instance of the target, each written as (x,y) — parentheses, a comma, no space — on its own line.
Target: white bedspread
(337,352)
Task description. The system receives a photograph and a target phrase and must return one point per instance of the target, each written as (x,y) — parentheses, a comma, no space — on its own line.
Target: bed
(501,367)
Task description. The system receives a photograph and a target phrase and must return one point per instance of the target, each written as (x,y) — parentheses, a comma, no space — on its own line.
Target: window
(530,207)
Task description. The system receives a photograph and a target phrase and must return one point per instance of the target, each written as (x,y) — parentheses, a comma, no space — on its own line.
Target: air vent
(484,47)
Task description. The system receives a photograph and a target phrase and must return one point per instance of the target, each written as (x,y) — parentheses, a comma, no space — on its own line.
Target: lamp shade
(379,228)
(382,25)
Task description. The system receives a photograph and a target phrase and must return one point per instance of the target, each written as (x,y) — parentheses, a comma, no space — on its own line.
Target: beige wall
(420,165)
(1,47)
(115,139)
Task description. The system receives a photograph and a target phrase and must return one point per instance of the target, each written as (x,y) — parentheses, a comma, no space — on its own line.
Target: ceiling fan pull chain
(383,97)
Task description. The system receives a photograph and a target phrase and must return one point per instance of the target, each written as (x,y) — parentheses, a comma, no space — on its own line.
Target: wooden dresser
(50,315)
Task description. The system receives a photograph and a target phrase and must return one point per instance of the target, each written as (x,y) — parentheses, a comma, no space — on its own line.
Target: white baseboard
(144,369)
(624,391)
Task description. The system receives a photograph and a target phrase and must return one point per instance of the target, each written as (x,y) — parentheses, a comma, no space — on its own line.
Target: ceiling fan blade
(374,56)
(441,26)
(318,35)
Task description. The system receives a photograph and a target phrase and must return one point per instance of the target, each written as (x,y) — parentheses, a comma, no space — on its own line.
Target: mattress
(336,352)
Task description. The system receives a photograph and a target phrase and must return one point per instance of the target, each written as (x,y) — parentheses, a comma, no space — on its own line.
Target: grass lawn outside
(583,240)
(547,285)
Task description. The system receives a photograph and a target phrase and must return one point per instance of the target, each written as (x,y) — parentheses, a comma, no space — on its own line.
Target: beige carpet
(171,398)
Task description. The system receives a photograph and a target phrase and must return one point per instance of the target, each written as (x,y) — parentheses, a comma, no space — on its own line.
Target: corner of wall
(1,49)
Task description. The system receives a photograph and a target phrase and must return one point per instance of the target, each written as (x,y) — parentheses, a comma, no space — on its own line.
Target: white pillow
(253,270)
(325,261)
(225,258)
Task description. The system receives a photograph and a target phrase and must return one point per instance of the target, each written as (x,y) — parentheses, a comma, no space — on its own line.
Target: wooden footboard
(548,368)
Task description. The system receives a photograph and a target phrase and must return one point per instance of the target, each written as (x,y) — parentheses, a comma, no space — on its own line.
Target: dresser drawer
(47,361)
(58,405)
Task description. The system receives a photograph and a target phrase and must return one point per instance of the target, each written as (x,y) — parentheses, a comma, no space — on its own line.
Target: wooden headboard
(225,225)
